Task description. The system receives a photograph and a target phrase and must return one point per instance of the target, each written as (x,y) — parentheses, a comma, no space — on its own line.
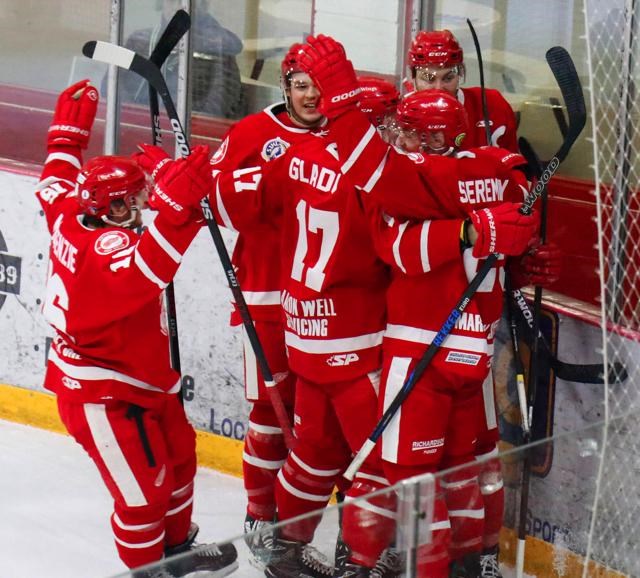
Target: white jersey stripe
(262,464)
(326,346)
(366,505)
(299,493)
(110,453)
(261,297)
(396,246)
(355,154)
(391,435)
(313,471)
(477,514)
(264,429)
(375,177)
(181,507)
(224,214)
(167,247)
(71,159)
(424,240)
(142,545)
(94,373)
(458,342)
(147,272)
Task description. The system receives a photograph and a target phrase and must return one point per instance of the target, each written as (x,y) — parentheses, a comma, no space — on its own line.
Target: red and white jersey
(333,283)
(254,141)
(429,272)
(104,297)
(502,120)
(428,276)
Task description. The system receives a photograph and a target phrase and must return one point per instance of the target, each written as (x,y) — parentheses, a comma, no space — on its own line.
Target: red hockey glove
(325,61)
(503,229)
(73,118)
(178,192)
(153,160)
(541,265)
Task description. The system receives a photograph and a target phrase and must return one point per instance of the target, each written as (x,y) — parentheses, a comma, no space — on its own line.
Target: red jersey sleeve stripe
(66,157)
(147,272)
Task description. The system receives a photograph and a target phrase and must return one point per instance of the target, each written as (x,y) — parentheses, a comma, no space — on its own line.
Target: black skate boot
(489,566)
(211,560)
(298,560)
(261,540)
(352,570)
(389,565)
(466,567)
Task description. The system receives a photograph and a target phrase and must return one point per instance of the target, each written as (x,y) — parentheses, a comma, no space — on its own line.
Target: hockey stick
(592,373)
(483,94)
(125,58)
(567,78)
(175,30)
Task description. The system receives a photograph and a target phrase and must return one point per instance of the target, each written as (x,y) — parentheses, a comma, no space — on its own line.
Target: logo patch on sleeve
(111,241)
(274,148)
(220,152)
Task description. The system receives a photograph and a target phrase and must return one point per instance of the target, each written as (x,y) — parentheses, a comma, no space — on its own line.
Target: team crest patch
(416,158)
(274,148)
(220,152)
(111,242)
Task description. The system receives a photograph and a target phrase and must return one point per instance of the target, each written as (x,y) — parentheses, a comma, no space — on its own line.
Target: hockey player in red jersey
(426,258)
(435,60)
(254,141)
(109,361)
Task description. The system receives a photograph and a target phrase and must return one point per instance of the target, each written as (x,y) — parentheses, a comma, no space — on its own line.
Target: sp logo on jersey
(274,148)
(111,242)
(341,359)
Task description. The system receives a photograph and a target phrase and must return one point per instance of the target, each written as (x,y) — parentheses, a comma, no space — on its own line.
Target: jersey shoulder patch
(111,241)
(274,148)
(221,151)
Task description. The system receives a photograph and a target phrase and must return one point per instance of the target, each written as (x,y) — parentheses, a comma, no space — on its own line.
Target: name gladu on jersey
(309,317)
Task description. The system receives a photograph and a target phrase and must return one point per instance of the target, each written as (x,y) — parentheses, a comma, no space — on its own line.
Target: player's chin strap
(130,223)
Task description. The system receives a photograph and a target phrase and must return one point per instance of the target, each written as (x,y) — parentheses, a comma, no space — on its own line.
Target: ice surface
(54,510)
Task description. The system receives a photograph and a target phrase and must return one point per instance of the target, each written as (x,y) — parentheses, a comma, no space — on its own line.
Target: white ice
(54,510)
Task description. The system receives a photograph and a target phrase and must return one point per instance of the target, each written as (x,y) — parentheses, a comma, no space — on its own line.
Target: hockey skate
(206,560)
(352,570)
(298,560)
(466,567)
(261,540)
(489,566)
(389,565)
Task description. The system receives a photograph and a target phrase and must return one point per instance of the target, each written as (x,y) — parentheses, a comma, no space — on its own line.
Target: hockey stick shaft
(577,117)
(568,81)
(113,54)
(175,30)
(483,94)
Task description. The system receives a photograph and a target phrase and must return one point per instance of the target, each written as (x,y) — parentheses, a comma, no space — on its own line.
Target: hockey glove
(325,61)
(153,160)
(503,229)
(73,118)
(541,266)
(178,192)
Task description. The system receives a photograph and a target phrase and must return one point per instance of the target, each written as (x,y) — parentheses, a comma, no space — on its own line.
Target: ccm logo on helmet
(346,95)
(342,359)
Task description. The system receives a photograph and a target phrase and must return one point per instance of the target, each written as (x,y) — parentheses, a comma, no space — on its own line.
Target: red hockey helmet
(290,64)
(434,48)
(378,98)
(105,179)
(434,110)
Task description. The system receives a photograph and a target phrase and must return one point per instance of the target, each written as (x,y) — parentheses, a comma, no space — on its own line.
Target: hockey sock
(466,512)
(263,456)
(368,526)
